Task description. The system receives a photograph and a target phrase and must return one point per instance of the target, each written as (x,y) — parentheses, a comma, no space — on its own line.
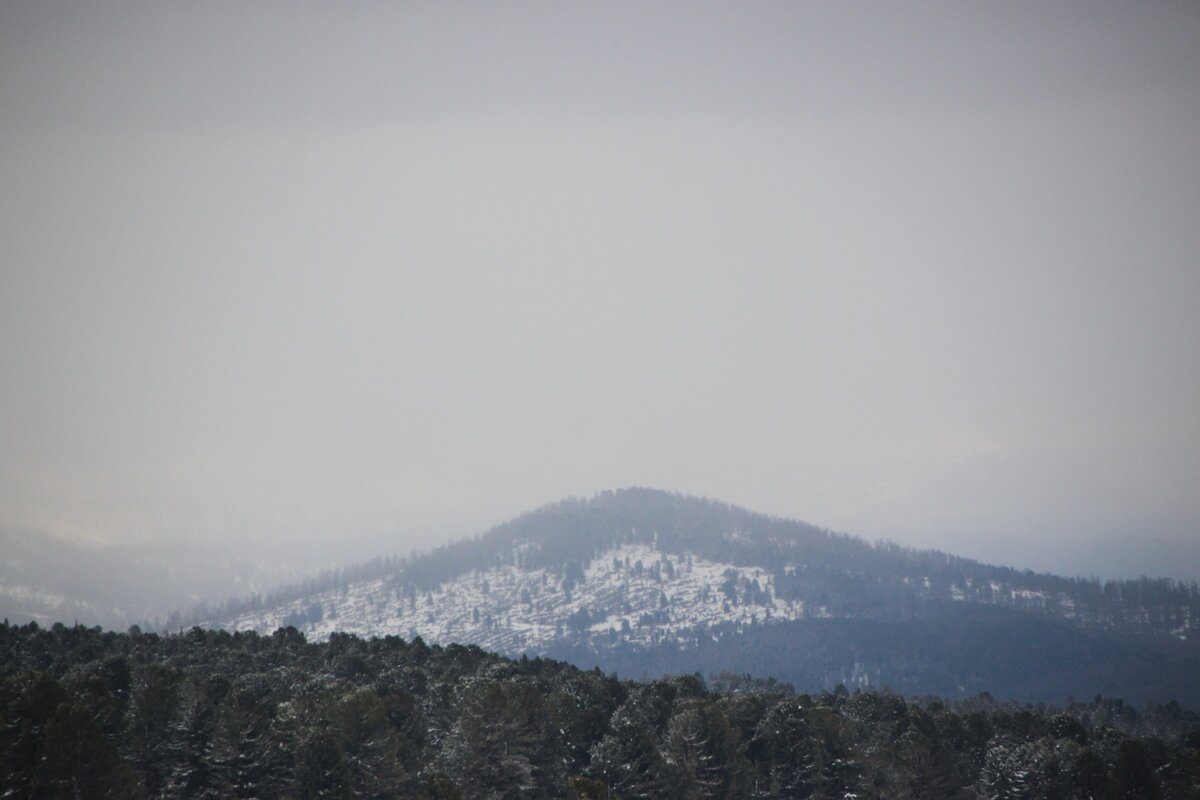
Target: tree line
(206,714)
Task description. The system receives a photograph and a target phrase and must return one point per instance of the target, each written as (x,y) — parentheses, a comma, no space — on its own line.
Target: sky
(314,275)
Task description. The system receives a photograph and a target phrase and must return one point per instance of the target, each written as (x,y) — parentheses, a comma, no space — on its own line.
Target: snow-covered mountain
(646,581)
(634,592)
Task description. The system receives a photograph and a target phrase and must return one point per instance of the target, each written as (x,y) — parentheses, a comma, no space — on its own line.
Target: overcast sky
(309,272)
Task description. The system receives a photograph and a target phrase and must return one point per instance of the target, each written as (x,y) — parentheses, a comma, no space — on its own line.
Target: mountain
(644,582)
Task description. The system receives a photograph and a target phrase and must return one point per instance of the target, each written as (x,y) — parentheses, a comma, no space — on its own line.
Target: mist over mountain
(646,582)
(279,273)
(48,579)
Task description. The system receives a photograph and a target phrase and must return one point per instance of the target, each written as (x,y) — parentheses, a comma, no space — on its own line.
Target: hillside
(642,581)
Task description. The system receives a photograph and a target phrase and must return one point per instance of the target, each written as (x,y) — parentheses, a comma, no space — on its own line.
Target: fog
(334,277)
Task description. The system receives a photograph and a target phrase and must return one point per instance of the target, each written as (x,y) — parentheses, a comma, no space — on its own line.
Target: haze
(302,275)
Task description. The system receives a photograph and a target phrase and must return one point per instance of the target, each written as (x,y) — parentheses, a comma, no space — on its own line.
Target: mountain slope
(646,581)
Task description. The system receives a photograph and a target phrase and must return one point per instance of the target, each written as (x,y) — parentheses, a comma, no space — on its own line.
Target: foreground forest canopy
(87,713)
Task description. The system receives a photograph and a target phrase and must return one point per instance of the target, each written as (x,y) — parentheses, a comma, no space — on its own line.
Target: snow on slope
(633,593)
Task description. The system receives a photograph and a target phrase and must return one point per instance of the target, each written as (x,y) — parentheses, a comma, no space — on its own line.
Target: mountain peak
(636,577)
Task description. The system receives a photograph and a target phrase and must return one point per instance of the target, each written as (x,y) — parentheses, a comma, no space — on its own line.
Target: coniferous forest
(86,713)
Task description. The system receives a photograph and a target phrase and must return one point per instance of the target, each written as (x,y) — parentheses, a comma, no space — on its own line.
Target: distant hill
(647,582)
(48,579)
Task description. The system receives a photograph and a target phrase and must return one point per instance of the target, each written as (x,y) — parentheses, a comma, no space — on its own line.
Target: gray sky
(297,272)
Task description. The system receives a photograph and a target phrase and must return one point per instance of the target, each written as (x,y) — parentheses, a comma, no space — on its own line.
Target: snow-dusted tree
(250,755)
(701,754)
(628,758)
(495,748)
(346,747)
(783,744)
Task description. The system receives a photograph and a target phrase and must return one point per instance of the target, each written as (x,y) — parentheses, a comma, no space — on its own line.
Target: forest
(206,714)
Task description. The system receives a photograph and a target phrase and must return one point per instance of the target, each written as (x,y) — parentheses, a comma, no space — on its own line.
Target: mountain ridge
(638,577)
